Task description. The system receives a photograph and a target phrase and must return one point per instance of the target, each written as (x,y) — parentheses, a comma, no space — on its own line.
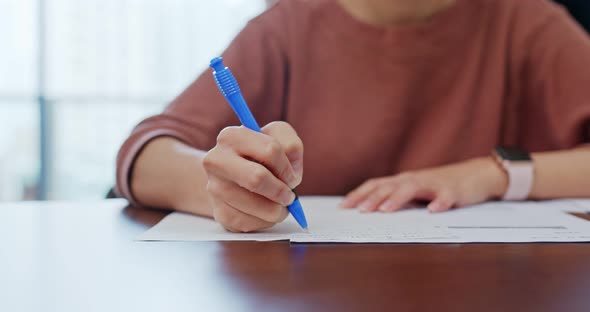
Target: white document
(490,222)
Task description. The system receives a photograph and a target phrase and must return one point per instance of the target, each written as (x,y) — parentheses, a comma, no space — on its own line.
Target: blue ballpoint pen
(231,91)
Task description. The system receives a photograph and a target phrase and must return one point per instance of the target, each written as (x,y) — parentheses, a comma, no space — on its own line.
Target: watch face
(513,154)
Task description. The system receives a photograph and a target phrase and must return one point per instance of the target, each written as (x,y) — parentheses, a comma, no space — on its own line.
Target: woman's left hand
(466,183)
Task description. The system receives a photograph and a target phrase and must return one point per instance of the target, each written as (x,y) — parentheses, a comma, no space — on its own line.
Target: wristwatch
(519,167)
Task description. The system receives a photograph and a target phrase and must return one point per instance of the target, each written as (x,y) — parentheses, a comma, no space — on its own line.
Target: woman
(395,101)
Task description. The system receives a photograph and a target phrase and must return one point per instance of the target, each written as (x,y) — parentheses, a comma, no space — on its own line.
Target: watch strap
(520,179)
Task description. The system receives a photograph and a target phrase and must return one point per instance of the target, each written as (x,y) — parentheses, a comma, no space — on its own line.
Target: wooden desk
(83,257)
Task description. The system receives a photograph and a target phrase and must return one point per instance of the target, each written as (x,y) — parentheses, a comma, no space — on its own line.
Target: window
(78,75)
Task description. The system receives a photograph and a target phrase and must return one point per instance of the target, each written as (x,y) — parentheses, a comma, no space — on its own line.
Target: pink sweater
(371,101)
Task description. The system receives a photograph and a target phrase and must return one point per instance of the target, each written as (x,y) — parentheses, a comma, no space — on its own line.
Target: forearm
(562,174)
(169,174)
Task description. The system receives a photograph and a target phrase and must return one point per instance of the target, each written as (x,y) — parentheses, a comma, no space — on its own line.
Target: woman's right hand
(251,175)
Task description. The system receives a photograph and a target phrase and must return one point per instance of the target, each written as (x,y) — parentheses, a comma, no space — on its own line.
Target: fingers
(251,175)
(235,220)
(394,193)
(404,195)
(375,199)
(358,195)
(264,149)
(247,202)
(247,174)
(443,201)
(291,144)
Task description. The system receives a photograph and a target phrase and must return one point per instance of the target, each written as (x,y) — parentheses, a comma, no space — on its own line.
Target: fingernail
(294,181)
(365,206)
(346,203)
(433,207)
(385,206)
(287,198)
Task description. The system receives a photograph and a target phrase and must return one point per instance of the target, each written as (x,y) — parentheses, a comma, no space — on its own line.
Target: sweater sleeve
(257,59)
(555,110)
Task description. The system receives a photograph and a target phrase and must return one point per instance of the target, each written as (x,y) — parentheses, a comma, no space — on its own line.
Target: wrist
(496,178)
(192,196)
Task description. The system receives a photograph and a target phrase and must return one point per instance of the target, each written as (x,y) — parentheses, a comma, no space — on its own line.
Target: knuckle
(279,124)
(379,195)
(383,192)
(299,144)
(256,179)
(227,135)
(295,146)
(272,149)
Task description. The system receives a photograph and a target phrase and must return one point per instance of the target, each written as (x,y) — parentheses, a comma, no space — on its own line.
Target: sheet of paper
(568,205)
(490,222)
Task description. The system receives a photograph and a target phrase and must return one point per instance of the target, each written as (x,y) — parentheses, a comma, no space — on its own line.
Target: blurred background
(77,75)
